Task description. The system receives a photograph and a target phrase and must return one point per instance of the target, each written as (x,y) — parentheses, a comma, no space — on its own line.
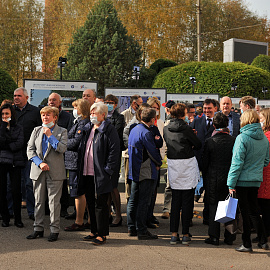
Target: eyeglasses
(109,102)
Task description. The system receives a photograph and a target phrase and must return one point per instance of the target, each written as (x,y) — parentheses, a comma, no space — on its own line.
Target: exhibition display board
(124,94)
(38,90)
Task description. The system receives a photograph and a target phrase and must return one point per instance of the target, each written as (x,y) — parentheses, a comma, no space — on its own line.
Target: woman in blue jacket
(81,113)
(250,155)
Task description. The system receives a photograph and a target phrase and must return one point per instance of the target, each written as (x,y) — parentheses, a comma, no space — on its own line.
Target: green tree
(262,61)
(101,49)
(7,86)
(159,64)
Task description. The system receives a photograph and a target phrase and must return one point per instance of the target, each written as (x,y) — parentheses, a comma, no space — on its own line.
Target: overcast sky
(261,7)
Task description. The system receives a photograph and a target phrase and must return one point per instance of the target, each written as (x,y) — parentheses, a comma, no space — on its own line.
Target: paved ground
(121,251)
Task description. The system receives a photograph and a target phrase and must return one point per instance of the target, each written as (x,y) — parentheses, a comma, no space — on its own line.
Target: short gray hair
(23,89)
(60,98)
(100,108)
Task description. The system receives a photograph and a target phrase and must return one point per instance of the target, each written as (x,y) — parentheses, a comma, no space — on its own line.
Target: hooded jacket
(250,155)
(180,140)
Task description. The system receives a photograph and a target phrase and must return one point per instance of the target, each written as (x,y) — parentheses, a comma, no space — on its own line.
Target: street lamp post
(234,87)
(136,75)
(264,90)
(61,63)
(193,82)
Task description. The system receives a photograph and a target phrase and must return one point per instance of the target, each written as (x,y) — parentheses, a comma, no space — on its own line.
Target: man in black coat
(118,121)
(217,157)
(65,120)
(234,118)
(204,128)
(28,117)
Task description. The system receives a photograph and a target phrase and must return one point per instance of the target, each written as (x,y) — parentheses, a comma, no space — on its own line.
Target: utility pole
(199,29)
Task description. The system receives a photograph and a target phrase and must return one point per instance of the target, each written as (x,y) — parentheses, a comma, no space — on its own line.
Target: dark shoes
(74,228)
(263,246)
(98,242)
(5,224)
(197,197)
(32,216)
(227,242)
(151,225)
(117,224)
(154,220)
(244,249)
(132,233)
(147,236)
(35,235)
(212,241)
(90,237)
(19,224)
(53,237)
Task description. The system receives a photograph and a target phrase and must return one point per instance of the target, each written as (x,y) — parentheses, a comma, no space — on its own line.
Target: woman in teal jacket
(250,155)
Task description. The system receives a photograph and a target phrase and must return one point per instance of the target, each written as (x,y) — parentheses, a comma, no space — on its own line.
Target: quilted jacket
(250,155)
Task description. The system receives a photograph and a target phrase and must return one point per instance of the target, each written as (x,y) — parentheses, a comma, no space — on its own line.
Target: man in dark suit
(28,117)
(234,118)
(204,128)
(65,120)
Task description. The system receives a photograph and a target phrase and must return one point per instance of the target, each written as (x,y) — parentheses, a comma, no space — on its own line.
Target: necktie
(209,123)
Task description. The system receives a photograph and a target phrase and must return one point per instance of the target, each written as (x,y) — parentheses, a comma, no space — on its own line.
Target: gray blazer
(54,158)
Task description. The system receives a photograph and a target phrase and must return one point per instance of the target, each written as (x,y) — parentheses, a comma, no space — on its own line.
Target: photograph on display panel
(125,94)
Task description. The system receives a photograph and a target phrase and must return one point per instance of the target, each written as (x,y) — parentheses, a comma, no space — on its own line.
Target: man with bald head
(90,96)
(65,119)
(234,118)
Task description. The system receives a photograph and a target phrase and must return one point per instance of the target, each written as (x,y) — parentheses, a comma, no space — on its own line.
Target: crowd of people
(211,149)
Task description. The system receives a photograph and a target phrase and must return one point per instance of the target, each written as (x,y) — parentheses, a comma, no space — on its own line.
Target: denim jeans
(30,199)
(138,205)
(199,186)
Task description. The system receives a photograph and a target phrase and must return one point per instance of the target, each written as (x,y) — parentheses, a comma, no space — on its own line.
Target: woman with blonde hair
(46,149)
(250,155)
(264,190)
(81,113)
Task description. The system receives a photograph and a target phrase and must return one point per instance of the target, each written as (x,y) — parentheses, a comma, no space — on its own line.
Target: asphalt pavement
(122,251)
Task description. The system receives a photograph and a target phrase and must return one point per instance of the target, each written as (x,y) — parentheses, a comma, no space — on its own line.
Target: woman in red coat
(264,190)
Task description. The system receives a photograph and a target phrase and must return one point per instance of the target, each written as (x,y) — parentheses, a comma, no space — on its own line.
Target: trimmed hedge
(160,64)
(7,86)
(215,77)
(262,61)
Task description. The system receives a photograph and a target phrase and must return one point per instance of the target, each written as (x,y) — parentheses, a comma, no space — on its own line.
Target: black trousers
(265,211)
(214,227)
(248,203)
(15,179)
(97,207)
(181,199)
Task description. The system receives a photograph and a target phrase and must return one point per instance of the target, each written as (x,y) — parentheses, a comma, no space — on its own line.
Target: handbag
(226,210)
(235,226)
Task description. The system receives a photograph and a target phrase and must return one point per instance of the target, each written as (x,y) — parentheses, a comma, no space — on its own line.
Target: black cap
(168,104)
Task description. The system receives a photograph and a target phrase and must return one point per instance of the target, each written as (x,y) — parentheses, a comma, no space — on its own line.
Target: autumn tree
(102,50)
(21,37)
